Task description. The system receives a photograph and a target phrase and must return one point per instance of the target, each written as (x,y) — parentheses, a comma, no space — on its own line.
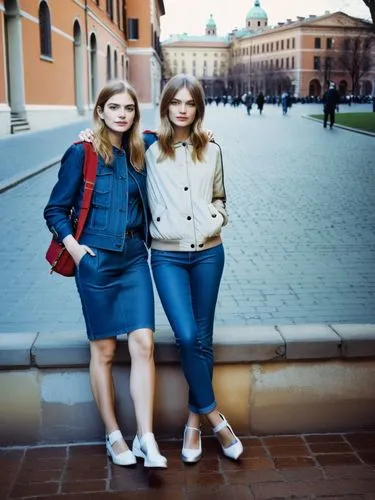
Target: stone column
(16,80)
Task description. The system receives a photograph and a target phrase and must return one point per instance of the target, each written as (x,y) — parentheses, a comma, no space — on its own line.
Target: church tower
(211,26)
(256,18)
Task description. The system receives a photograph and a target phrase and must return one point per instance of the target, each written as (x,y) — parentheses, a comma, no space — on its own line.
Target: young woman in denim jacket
(112,276)
(185,187)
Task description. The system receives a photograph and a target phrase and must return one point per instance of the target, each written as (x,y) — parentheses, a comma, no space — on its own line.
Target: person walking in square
(331,101)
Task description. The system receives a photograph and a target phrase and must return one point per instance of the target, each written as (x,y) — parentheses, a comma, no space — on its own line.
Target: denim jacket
(107,220)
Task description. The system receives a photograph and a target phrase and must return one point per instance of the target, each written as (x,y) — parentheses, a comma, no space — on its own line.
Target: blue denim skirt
(116,290)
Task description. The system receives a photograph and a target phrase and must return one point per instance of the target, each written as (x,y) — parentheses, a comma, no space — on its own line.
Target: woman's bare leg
(142,377)
(102,354)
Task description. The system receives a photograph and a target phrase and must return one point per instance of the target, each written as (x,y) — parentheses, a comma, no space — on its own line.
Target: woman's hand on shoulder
(86,135)
(210,135)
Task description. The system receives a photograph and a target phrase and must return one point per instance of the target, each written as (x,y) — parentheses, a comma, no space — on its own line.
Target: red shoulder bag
(57,255)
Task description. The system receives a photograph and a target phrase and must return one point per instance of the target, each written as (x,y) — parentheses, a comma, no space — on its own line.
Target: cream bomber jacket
(187,199)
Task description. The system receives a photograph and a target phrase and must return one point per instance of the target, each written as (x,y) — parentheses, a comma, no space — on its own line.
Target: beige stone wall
(202,62)
(56,405)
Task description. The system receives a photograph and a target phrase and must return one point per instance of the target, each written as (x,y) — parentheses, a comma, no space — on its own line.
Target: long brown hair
(101,140)
(198,137)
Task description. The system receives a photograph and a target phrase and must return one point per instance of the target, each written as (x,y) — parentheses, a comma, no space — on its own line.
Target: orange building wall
(58,76)
(2,60)
(138,10)
(49,82)
(138,74)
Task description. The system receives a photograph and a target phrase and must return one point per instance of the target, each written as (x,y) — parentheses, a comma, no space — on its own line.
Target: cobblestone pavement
(300,246)
(325,466)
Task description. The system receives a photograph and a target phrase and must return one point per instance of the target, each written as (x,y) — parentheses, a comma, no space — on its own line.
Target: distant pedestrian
(331,101)
(247,99)
(260,102)
(285,102)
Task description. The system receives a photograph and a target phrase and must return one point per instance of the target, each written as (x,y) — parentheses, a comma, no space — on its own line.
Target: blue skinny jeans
(188,285)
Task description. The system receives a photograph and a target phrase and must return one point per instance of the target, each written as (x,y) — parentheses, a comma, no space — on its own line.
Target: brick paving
(300,246)
(307,466)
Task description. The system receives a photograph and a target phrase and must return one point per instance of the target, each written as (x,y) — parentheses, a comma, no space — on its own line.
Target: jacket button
(201,245)
(158,219)
(188,217)
(186,188)
(192,245)
(184,144)
(213,215)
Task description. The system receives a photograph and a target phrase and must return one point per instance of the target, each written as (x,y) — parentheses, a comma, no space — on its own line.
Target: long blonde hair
(198,137)
(101,140)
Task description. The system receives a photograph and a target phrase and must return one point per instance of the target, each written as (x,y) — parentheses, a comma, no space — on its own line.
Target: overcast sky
(190,16)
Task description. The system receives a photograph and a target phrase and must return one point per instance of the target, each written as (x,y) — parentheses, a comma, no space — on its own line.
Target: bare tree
(371,5)
(354,57)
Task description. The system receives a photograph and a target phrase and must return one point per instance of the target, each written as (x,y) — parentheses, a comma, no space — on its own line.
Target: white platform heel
(147,448)
(126,457)
(191,455)
(235,449)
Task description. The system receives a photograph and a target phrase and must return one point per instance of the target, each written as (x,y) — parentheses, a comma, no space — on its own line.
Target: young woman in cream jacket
(185,189)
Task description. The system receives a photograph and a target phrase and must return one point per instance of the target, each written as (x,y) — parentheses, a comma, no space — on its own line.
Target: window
(281,63)
(271,64)
(287,62)
(45,30)
(292,62)
(277,64)
(317,43)
(316,62)
(258,23)
(133,28)
(109,9)
(293,43)
(329,43)
(288,44)
(118,13)
(215,64)
(194,64)
(109,69)
(258,49)
(282,44)
(267,47)
(115,62)
(277,45)
(271,46)
(347,44)
(262,47)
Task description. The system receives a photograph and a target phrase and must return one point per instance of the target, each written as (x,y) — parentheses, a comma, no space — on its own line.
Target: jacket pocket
(103,188)
(210,221)
(164,226)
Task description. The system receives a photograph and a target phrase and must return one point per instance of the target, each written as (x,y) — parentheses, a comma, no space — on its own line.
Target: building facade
(56,57)
(299,56)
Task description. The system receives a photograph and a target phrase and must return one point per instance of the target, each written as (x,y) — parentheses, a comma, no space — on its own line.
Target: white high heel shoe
(235,449)
(191,455)
(147,448)
(126,457)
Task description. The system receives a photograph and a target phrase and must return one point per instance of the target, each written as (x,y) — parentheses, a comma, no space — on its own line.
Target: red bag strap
(89,176)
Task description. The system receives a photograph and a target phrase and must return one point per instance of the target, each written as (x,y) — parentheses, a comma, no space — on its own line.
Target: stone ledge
(237,344)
